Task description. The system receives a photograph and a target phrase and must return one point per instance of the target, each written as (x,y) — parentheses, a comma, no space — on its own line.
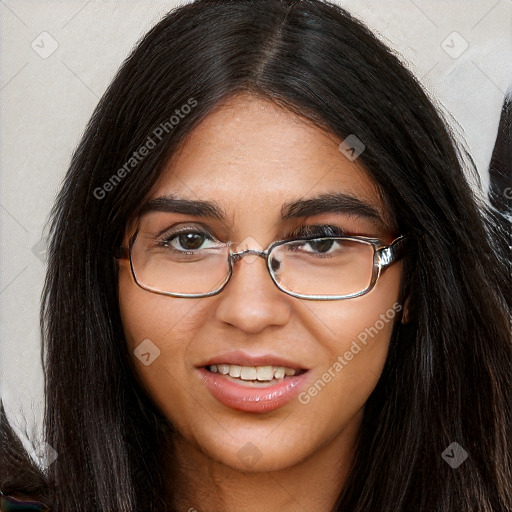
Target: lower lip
(251,399)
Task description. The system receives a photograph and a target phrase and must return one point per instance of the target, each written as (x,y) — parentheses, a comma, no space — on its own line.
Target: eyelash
(301,232)
(315,231)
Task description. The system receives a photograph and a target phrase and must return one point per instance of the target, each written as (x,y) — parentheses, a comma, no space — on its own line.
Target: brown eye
(321,245)
(191,241)
(187,241)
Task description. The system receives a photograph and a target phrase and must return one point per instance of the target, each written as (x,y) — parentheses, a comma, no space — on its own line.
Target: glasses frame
(383,256)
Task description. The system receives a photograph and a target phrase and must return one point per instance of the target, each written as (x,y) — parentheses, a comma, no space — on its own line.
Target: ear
(406,312)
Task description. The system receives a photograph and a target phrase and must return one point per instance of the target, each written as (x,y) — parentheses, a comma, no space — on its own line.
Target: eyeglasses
(192,264)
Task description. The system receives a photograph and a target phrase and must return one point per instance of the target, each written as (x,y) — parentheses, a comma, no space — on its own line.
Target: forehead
(251,154)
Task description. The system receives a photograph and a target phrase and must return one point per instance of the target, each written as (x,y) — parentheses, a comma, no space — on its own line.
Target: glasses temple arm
(392,252)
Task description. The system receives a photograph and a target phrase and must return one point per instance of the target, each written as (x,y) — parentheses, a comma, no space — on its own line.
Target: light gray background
(46,101)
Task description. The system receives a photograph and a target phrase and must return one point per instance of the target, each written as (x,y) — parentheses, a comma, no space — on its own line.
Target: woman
(270,286)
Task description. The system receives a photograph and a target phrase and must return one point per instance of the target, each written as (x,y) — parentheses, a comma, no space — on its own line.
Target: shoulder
(23,486)
(17,501)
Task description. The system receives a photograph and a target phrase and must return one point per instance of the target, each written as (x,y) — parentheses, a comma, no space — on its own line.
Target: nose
(251,301)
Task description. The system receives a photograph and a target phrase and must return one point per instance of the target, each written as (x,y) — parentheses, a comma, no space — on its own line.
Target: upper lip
(242,359)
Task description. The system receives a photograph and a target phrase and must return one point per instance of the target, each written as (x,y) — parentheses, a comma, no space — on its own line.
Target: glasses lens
(323,266)
(187,264)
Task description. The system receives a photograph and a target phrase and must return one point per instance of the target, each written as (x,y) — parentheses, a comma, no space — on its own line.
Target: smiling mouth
(255,376)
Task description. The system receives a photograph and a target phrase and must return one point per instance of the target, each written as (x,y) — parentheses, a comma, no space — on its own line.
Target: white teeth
(279,373)
(248,373)
(223,368)
(265,373)
(234,370)
(259,373)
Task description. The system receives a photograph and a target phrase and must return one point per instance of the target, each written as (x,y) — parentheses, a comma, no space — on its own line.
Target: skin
(243,156)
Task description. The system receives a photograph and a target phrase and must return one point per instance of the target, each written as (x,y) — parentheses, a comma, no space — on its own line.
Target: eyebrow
(331,203)
(323,203)
(174,204)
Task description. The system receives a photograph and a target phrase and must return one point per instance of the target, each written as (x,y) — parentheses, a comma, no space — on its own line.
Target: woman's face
(252,159)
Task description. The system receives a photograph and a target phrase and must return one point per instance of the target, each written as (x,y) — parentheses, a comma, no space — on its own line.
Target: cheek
(370,316)
(150,315)
(356,336)
(159,338)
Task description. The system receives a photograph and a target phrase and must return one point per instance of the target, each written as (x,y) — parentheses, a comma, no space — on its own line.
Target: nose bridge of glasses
(235,256)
